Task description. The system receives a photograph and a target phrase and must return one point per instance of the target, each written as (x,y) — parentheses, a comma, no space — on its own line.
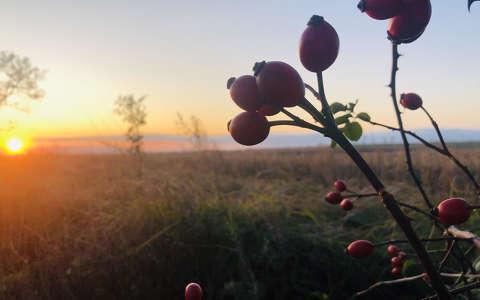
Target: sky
(180,54)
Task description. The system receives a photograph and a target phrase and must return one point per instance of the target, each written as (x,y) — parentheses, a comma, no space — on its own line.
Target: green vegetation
(246,225)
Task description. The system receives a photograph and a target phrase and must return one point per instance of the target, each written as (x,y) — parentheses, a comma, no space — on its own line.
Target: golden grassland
(247,225)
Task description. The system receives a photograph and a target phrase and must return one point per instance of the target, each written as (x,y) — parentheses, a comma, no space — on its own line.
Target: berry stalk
(447,152)
(443,151)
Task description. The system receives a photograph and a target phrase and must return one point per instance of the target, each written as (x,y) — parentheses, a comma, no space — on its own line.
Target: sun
(15,145)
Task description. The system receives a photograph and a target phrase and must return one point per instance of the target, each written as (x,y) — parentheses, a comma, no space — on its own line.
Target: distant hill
(169,143)
(382,137)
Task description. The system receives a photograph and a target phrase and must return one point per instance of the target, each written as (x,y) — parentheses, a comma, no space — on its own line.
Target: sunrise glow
(15,146)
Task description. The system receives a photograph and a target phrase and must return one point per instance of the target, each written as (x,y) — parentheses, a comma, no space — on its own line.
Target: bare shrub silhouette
(134,113)
(193,129)
(19,77)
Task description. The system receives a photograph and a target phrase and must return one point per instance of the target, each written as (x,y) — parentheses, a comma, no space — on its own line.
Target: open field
(246,225)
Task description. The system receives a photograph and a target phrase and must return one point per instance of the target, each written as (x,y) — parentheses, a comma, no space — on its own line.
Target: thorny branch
(388,199)
(406,144)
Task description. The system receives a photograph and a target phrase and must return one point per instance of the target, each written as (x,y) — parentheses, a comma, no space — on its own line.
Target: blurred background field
(244,224)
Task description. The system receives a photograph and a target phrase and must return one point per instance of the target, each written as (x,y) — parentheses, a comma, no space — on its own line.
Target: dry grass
(91,225)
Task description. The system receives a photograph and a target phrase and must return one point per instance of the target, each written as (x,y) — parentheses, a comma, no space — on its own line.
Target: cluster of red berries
(193,291)
(336,197)
(408,18)
(364,248)
(275,84)
(452,211)
(397,259)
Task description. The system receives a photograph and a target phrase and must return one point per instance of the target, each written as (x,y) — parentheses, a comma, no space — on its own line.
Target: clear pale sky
(180,54)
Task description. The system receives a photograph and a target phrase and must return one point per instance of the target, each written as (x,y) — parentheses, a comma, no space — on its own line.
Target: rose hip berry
(396,271)
(411,22)
(360,248)
(333,197)
(193,291)
(453,211)
(346,204)
(392,250)
(340,185)
(380,9)
(319,45)
(279,83)
(269,110)
(244,92)
(396,261)
(411,101)
(249,128)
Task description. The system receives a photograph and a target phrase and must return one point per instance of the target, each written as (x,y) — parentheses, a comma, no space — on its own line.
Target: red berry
(380,9)
(392,250)
(340,185)
(411,101)
(193,291)
(319,45)
(453,211)
(411,22)
(360,248)
(269,110)
(279,83)
(396,271)
(346,204)
(333,197)
(396,261)
(249,128)
(244,93)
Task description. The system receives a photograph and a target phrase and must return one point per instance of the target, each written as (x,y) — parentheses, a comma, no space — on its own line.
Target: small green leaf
(353,131)
(333,144)
(351,105)
(410,267)
(364,117)
(343,119)
(336,107)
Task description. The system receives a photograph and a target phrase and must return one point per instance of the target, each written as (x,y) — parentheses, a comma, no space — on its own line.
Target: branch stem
(301,124)
(442,239)
(406,144)
(447,152)
(463,289)
(358,196)
(388,199)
